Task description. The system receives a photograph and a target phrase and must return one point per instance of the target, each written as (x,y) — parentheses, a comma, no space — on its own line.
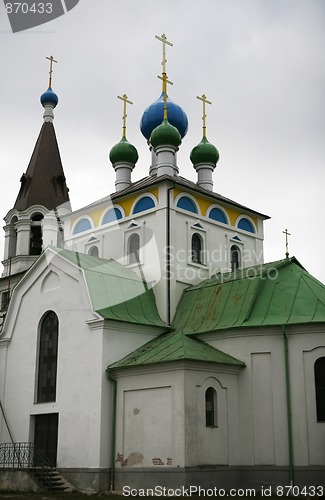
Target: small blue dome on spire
(49,97)
(154,115)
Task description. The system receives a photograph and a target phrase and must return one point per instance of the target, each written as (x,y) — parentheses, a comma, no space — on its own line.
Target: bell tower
(34,221)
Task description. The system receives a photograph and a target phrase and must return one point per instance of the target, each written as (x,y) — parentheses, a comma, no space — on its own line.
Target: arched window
(197,248)
(133,248)
(234,257)
(319,369)
(187,204)
(81,226)
(144,203)
(93,251)
(47,358)
(218,215)
(112,215)
(246,225)
(36,240)
(210,407)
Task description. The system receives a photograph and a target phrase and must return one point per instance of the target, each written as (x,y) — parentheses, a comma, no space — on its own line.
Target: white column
(23,236)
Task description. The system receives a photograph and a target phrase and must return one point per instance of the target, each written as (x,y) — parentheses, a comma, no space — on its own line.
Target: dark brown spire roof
(44,182)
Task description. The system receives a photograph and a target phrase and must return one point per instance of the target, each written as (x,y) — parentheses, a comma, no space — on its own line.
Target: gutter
(289,412)
(168,254)
(113,431)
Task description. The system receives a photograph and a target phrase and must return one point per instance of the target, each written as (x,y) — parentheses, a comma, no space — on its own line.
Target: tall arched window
(47,358)
(197,245)
(12,250)
(36,240)
(133,248)
(210,407)
(319,369)
(234,257)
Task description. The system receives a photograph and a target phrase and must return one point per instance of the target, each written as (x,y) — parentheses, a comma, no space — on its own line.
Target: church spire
(44,181)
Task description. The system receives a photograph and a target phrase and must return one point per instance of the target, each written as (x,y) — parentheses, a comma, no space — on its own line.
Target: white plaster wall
(83,392)
(263,432)
(206,445)
(150,403)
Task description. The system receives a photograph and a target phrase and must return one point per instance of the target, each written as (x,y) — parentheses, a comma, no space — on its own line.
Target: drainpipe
(113,431)
(289,413)
(168,254)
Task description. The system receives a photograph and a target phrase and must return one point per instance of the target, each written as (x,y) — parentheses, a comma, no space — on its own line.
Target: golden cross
(287,234)
(124,98)
(165,42)
(52,60)
(203,98)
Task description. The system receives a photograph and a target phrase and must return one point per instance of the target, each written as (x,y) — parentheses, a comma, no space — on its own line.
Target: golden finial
(287,244)
(52,60)
(203,98)
(164,78)
(125,100)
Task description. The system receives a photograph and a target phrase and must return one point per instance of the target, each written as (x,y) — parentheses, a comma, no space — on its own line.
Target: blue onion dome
(49,98)
(154,114)
(204,152)
(123,152)
(165,135)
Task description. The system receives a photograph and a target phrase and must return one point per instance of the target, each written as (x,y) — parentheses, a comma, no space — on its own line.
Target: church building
(143,339)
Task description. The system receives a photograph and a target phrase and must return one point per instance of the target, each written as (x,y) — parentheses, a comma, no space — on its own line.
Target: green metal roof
(276,293)
(116,292)
(175,346)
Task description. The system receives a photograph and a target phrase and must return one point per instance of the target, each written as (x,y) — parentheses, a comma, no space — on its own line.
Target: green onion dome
(165,135)
(204,152)
(123,152)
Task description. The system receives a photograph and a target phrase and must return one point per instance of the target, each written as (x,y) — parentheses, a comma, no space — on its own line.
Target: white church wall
(78,373)
(263,430)
(150,432)
(217,444)
(305,348)
(119,339)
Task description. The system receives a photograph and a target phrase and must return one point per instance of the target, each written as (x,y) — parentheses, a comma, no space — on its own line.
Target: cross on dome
(125,100)
(52,60)
(204,100)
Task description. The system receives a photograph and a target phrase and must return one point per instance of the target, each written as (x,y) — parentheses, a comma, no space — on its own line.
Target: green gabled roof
(175,346)
(276,293)
(116,292)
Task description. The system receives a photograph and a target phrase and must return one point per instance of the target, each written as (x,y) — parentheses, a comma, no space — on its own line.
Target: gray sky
(260,62)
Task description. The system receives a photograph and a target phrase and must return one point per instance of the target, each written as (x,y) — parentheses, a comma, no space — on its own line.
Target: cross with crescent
(52,60)
(287,249)
(125,100)
(204,100)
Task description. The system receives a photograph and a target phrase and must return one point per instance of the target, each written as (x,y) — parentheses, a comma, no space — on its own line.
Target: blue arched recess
(81,226)
(217,214)
(246,225)
(144,203)
(111,215)
(187,204)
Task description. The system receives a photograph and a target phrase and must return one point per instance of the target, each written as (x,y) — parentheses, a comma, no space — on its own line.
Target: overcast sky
(260,62)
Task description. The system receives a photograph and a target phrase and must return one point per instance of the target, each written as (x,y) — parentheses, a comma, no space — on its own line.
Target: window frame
(43,395)
(211,414)
(319,379)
